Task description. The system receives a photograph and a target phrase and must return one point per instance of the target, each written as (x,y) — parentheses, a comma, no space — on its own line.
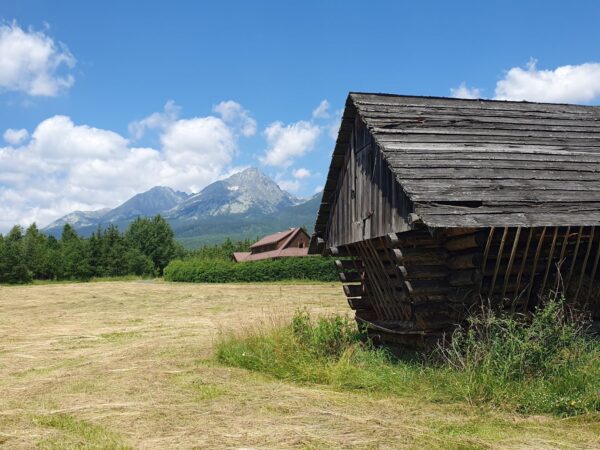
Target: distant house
(289,243)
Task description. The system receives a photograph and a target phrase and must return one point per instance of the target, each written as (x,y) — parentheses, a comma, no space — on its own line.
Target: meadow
(135,364)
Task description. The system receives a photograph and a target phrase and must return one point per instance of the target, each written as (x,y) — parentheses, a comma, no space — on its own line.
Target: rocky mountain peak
(245,192)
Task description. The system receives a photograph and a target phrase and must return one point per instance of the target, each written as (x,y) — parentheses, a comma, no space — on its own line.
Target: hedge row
(223,271)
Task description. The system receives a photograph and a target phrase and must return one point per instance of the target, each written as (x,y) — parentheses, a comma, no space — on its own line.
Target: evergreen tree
(36,253)
(75,255)
(56,268)
(155,239)
(114,251)
(13,268)
(95,253)
(137,263)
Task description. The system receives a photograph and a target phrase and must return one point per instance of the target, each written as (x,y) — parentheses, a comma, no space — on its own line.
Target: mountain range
(246,205)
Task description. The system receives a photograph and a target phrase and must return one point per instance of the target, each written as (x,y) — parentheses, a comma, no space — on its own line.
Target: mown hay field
(130,365)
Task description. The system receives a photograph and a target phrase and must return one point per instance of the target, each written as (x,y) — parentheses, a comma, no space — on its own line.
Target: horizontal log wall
(425,282)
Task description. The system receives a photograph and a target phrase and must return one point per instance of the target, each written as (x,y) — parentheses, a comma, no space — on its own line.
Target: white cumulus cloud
(463,91)
(233,113)
(288,142)
(31,62)
(288,185)
(15,137)
(301,173)
(58,139)
(564,84)
(322,111)
(155,121)
(200,148)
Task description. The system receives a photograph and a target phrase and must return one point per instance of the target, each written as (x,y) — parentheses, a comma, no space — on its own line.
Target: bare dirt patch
(128,364)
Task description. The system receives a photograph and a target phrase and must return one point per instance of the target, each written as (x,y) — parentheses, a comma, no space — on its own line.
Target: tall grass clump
(326,350)
(545,362)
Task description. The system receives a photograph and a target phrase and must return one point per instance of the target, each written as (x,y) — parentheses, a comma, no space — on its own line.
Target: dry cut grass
(129,365)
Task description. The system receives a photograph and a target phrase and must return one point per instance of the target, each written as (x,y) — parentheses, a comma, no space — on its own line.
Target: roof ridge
(480,99)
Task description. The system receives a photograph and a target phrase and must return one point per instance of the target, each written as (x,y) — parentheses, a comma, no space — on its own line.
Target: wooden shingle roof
(482,162)
(274,238)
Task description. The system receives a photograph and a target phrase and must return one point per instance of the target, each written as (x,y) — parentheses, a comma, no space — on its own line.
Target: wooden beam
(359,303)
(486,252)
(522,267)
(511,260)
(349,277)
(499,258)
(574,259)
(534,267)
(585,262)
(550,255)
(353,290)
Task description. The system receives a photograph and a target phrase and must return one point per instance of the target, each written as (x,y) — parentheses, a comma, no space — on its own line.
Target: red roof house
(289,243)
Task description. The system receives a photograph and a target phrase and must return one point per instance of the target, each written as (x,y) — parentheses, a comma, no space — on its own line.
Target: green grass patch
(546,363)
(78,434)
(120,336)
(198,387)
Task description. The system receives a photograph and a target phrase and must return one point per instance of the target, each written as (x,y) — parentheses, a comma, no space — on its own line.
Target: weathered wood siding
(368,202)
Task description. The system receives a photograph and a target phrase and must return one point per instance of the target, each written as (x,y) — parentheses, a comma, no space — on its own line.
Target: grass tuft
(78,434)
(543,364)
(120,336)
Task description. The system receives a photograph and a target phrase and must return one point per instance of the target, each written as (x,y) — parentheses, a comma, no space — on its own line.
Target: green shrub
(225,271)
(546,364)
(547,360)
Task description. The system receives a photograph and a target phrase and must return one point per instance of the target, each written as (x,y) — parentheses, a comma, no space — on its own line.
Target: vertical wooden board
(368,202)
(378,207)
(352,167)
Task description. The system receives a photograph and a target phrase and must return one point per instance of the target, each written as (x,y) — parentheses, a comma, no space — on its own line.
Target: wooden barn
(291,243)
(438,203)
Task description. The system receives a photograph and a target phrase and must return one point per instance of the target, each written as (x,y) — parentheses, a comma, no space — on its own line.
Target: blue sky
(233,84)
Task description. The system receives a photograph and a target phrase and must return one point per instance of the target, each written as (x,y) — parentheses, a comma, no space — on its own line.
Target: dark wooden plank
(359,303)
(474,117)
(493,174)
(508,139)
(477,128)
(353,290)
(464,277)
(425,148)
(349,277)
(507,195)
(507,208)
(491,163)
(349,264)
(421,157)
(443,185)
(513,219)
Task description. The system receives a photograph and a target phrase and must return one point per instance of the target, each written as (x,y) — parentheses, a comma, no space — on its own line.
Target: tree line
(145,248)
